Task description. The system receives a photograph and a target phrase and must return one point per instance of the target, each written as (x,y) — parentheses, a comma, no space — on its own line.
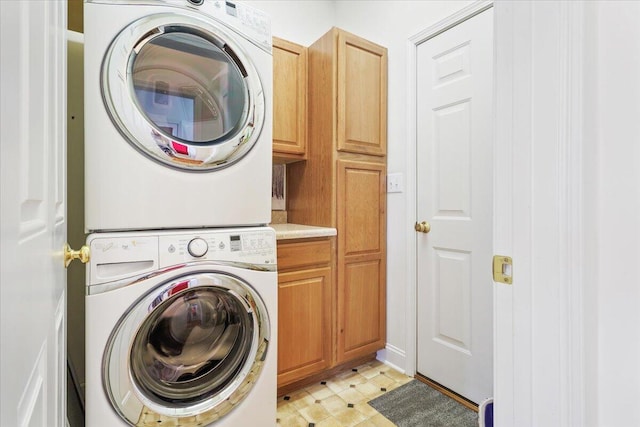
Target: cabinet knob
(423,227)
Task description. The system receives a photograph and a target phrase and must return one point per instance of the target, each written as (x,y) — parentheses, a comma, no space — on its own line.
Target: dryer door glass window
(184,91)
(189,88)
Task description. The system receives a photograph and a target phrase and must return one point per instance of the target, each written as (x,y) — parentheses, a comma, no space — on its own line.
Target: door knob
(423,227)
(69,255)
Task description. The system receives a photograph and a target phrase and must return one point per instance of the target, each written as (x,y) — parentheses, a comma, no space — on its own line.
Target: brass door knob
(423,227)
(69,255)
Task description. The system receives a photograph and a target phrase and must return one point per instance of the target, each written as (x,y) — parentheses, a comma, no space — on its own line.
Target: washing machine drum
(183,92)
(189,350)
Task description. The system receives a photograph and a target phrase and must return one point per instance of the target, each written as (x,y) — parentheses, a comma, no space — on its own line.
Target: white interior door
(454,195)
(32,160)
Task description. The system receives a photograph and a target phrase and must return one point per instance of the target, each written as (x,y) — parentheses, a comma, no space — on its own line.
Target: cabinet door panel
(304,323)
(361,207)
(289,98)
(361,258)
(362,309)
(362,96)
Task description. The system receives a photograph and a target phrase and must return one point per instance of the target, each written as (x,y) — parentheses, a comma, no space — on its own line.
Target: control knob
(197,247)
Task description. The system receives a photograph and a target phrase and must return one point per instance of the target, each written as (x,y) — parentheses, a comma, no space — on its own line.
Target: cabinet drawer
(303,254)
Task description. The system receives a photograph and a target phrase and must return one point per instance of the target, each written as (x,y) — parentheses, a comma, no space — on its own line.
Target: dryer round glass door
(193,346)
(183,92)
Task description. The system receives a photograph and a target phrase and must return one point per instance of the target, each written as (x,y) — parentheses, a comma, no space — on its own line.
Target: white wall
(612,203)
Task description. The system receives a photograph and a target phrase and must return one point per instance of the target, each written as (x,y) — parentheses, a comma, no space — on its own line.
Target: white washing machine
(181,328)
(178,100)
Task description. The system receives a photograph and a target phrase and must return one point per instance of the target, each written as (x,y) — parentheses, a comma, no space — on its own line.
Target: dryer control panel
(119,255)
(250,21)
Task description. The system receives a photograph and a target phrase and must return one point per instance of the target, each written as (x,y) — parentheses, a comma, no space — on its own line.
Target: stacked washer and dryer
(181,298)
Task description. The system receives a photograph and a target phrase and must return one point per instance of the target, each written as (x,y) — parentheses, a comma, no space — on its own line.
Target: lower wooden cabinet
(361,309)
(305,308)
(361,258)
(332,312)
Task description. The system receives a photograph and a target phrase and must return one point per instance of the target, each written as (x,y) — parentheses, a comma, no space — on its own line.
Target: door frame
(411,308)
(539,219)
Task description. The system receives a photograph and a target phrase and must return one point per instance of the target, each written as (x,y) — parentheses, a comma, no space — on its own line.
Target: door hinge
(502,269)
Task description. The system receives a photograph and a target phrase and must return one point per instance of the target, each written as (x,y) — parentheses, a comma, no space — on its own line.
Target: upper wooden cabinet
(348,86)
(289,101)
(362,95)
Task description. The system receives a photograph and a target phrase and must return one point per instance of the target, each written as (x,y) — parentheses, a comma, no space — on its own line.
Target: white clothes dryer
(181,328)
(178,99)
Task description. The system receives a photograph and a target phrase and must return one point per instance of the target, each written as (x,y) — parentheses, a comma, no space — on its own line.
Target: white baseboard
(394,357)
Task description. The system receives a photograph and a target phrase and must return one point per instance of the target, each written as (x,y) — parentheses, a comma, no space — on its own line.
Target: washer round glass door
(194,346)
(182,92)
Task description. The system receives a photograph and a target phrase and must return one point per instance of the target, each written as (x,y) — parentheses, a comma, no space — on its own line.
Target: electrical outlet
(395,183)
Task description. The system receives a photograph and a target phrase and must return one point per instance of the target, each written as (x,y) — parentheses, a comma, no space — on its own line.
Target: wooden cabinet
(289,101)
(362,95)
(305,308)
(342,183)
(361,221)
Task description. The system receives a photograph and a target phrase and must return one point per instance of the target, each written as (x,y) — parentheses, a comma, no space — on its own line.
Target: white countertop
(297,231)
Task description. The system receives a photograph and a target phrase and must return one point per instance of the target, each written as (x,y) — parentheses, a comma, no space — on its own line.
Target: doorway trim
(539,200)
(412,277)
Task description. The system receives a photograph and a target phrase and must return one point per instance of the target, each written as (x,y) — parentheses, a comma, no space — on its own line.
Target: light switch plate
(395,183)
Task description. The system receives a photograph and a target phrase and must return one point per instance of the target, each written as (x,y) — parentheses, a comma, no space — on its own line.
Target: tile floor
(341,401)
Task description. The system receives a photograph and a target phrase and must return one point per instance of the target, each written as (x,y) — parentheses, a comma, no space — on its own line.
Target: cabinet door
(361,295)
(289,100)
(304,323)
(362,96)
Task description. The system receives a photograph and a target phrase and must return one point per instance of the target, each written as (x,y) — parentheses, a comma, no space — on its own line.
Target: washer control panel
(254,246)
(123,254)
(197,247)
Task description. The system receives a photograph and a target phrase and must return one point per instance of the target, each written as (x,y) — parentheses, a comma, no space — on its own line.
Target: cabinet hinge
(502,269)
